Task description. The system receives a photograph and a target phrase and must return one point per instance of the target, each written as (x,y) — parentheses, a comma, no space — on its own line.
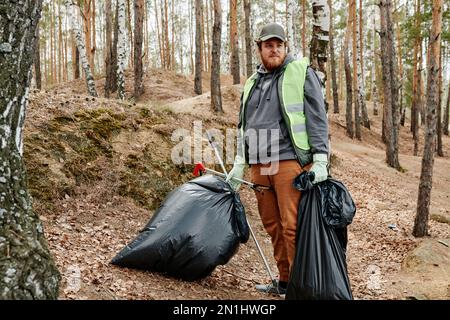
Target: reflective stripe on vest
(292,92)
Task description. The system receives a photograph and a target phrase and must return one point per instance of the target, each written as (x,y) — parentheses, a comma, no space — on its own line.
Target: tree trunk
(198,47)
(130,32)
(37,60)
(446,112)
(109,68)
(333,62)
(166,37)
(291,17)
(303,27)
(390,87)
(234,43)
(439,150)
(348,80)
(374,93)
(426,177)
(248,39)
(216,95)
(356,69)
(319,41)
(361,73)
(27,270)
(138,38)
(87,31)
(121,49)
(71,7)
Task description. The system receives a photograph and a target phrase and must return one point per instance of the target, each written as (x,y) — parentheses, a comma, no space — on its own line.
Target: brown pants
(278,209)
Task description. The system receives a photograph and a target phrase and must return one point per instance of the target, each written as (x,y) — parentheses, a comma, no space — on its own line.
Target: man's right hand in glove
(236,172)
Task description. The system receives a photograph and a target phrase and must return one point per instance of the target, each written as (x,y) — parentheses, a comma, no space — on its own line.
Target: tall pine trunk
(390,87)
(248,39)
(234,43)
(198,47)
(27,270)
(348,80)
(216,95)
(333,63)
(446,112)
(109,67)
(426,177)
(138,39)
(37,61)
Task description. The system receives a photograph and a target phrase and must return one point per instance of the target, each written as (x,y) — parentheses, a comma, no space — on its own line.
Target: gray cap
(271,30)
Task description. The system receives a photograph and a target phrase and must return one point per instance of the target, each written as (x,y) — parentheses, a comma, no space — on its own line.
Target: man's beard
(271,64)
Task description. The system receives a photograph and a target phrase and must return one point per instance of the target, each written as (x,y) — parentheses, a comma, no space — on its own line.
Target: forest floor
(98,168)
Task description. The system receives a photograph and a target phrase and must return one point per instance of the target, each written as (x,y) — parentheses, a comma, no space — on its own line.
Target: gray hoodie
(263,111)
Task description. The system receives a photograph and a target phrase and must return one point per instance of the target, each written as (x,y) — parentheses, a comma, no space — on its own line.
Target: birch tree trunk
(319,41)
(27,270)
(426,177)
(121,49)
(79,37)
(292,36)
(138,38)
(216,95)
(198,47)
(248,39)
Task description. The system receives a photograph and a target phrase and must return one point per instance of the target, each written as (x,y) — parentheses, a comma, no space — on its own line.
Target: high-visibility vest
(291,93)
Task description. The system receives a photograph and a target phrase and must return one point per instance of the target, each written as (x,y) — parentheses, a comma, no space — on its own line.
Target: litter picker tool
(266,264)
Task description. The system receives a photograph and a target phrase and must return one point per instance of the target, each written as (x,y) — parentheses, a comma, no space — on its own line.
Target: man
(284,98)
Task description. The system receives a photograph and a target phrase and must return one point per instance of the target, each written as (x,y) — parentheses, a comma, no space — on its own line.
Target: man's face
(273,52)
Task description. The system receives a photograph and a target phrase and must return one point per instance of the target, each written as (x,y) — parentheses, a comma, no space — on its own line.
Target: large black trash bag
(197,227)
(320,270)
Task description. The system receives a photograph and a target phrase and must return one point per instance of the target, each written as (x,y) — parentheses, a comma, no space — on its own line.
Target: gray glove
(320,167)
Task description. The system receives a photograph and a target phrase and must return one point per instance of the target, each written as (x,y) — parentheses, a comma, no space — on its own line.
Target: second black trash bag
(198,227)
(320,270)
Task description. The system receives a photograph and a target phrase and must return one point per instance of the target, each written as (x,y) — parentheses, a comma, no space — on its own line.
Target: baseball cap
(271,30)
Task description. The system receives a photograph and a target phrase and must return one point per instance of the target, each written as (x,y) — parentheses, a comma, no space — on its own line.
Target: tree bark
(319,41)
(138,39)
(121,49)
(198,47)
(303,27)
(390,87)
(248,39)
(446,112)
(291,17)
(333,63)
(348,80)
(216,95)
(426,177)
(109,68)
(234,43)
(37,61)
(439,150)
(356,72)
(71,7)
(361,73)
(27,270)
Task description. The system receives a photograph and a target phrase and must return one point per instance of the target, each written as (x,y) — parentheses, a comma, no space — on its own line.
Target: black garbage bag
(198,227)
(320,270)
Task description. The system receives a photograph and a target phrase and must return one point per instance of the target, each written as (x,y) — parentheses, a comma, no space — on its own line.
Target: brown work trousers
(278,209)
